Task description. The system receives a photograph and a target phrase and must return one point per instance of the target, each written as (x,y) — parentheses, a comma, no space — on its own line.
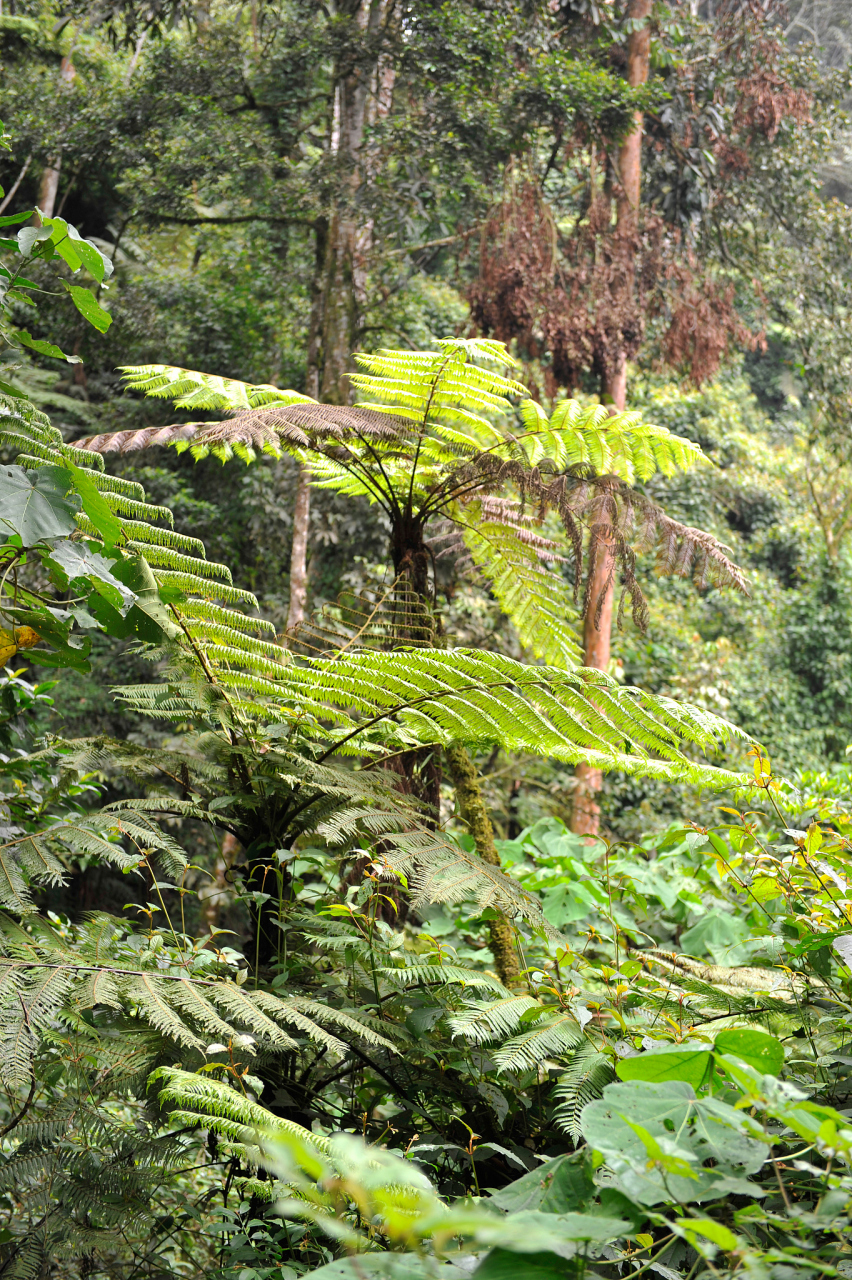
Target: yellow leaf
(26,637)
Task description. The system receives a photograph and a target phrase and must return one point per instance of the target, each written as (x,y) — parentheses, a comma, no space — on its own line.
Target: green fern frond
(137,532)
(587,1075)
(445,391)
(536,599)
(196,586)
(231,640)
(209,1103)
(432,975)
(484,1020)
(552,1035)
(191,390)
(441,696)
(618,444)
(205,609)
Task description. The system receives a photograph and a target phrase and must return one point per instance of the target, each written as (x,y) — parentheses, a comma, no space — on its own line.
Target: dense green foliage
(302,971)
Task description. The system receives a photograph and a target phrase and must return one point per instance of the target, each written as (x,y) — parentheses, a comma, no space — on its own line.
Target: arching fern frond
(201,1100)
(518,565)
(591,437)
(588,1073)
(175,563)
(191,390)
(442,696)
(483,1020)
(550,1036)
(47,975)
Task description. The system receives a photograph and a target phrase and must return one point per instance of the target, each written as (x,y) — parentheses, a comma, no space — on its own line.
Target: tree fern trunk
(475,814)
(597,630)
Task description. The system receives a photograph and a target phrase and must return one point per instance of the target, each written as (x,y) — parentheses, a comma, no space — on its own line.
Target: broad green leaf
(89,307)
(69,650)
(663,1152)
(35,504)
(70,658)
(502,1264)
(42,347)
(28,237)
(12,219)
(392,1266)
(758,1049)
(669,1112)
(148,618)
(559,1185)
(716,1232)
(78,560)
(77,251)
(718,932)
(96,506)
(690,1066)
(62,243)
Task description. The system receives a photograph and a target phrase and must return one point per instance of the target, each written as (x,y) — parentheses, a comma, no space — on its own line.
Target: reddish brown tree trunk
(597,628)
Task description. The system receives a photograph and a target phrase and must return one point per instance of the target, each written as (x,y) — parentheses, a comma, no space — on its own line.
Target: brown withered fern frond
(620,523)
(298,426)
(373,618)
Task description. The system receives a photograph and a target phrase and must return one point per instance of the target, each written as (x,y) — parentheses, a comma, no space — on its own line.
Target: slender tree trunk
(597,628)
(299,553)
(13,190)
(473,811)
(49,186)
(362,92)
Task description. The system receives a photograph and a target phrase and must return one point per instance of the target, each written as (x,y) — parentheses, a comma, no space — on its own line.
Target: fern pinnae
(552,1035)
(195,607)
(427,975)
(586,1076)
(481,1021)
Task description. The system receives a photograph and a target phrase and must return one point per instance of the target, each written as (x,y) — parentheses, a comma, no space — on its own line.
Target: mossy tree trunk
(472,808)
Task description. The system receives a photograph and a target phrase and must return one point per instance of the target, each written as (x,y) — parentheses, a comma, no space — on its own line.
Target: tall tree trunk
(597,627)
(299,553)
(473,811)
(49,186)
(362,92)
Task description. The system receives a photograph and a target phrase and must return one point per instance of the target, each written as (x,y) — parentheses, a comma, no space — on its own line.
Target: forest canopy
(426,638)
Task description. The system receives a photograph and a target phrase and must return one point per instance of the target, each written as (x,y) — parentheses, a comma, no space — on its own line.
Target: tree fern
(437,429)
